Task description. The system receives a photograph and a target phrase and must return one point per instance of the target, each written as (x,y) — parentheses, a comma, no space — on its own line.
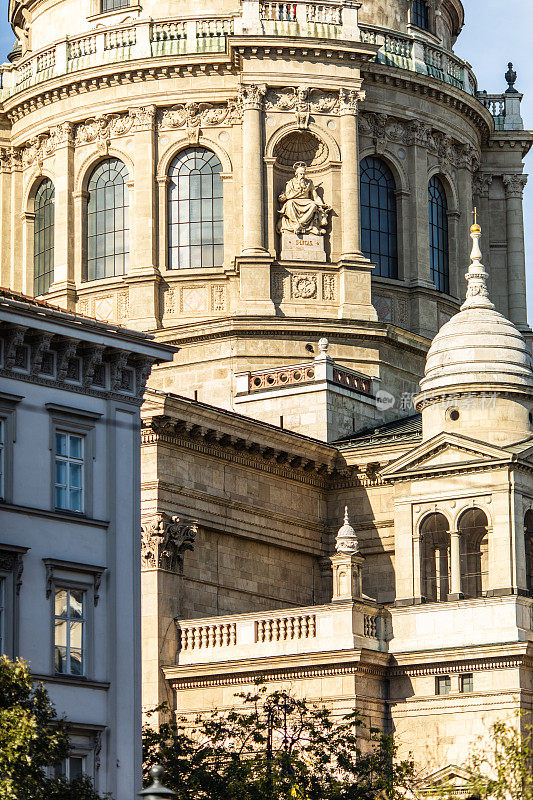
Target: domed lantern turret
(347,564)
(478,377)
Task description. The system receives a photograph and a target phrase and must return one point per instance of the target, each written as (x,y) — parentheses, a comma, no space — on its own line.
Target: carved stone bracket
(92,357)
(12,561)
(65,353)
(40,346)
(13,340)
(164,541)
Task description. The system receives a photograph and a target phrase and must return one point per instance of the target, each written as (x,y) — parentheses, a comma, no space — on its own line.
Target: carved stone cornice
(514,185)
(165,539)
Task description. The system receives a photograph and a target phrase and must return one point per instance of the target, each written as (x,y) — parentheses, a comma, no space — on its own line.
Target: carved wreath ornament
(165,539)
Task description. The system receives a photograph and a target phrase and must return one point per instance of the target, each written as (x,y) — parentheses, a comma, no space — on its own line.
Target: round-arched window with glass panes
(420,14)
(108,245)
(43,237)
(439,253)
(195,210)
(379,226)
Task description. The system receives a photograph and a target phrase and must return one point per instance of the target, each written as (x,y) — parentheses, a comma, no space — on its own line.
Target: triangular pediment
(444,451)
(454,778)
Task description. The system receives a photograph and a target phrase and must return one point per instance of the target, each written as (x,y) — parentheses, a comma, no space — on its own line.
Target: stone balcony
(274,634)
(142,39)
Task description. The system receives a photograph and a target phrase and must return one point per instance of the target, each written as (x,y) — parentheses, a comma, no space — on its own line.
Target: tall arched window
(379,235)
(474,549)
(439,255)
(108,245)
(528,534)
(195,215)
(435,544)
(43,237)
(420,14)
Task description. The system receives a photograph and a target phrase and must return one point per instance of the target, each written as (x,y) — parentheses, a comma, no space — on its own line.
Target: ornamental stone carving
(251,96)
(349,100)
(481,184)
(193,116)
(165,539)
(303,101)
(304,287)
(514,185)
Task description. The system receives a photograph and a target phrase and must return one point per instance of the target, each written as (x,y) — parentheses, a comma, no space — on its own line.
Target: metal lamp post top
(156,790)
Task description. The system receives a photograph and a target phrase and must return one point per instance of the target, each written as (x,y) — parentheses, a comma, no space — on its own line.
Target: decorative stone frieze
(165,539)
(385,129)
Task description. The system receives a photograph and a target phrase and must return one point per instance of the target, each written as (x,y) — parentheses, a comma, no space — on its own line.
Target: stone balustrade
(322,369)
(142,39)
(415,54)
(505,109)
(333,627)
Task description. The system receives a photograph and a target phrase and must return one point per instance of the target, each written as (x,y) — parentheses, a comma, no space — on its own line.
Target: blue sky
(495,32)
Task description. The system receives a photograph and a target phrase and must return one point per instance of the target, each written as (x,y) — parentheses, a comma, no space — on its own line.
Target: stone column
(252,155)
(417,570)
(63,288)
(455,570)
(516,263)
(351,223)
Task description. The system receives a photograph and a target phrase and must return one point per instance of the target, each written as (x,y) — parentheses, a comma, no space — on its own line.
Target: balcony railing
(415,54)
(145,39)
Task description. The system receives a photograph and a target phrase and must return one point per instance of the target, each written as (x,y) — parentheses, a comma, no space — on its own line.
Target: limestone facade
(256,437)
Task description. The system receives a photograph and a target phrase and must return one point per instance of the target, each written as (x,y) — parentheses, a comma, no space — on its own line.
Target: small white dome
(346,541)
(478,346)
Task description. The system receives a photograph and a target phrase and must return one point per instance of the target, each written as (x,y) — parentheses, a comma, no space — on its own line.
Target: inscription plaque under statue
(303,219)
(302,247)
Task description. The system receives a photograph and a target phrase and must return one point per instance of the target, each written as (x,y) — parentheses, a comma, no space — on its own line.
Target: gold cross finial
(474,212)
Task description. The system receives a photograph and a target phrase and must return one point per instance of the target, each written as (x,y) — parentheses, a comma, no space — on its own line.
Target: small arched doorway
(435,540)
(473,529)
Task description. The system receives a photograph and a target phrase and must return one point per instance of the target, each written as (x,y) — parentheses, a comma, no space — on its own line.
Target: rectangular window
(69,471)
(111,5)
(71,768)
(466,683)
(3,646)
(69,631)
(443,684)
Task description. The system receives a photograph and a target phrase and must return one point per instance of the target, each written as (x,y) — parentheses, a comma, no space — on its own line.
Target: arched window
(378,217)
(43,237)
(420,14)
(108,245)
(195,216)
(435,548)
(439,256)
(528,534)
(474,549)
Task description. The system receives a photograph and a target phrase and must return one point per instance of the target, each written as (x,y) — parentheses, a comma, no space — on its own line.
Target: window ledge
(72,680)
(59,515)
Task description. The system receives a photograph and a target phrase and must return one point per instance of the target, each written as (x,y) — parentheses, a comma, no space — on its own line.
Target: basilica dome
(478,347)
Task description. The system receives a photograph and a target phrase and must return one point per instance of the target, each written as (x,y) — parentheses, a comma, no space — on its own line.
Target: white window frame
(11,566)
(69,461)
(59,587)
(77,422)
(8,404)
(82,577)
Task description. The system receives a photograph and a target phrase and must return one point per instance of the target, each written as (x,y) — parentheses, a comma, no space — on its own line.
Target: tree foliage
(501,764)
(275,746)
(32,740)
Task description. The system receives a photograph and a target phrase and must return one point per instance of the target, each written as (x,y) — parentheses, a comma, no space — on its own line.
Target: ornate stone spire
(477,294)
(346,541)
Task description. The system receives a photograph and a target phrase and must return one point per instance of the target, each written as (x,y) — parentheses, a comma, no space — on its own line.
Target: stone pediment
(444,451)
(453,778)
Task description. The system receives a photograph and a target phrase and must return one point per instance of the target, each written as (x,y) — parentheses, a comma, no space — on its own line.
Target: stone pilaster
(252,154)
(63,289)
(516,263)
(351,224)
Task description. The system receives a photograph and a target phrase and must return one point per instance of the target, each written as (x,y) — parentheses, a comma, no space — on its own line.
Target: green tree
(32,740)
(501,764)
(276,746)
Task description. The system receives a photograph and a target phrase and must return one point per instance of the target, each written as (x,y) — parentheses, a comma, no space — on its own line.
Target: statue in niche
(303,211)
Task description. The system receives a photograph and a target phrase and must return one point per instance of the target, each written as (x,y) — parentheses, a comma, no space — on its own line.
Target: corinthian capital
(514,185)
(481,184)
(349,100)
(251,96)
(165,539)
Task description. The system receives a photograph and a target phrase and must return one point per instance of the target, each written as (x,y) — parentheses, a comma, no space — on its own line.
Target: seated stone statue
(303,210)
